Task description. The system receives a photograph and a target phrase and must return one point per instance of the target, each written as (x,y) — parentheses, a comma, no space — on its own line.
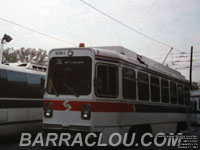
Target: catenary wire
(33,30)
(130,28)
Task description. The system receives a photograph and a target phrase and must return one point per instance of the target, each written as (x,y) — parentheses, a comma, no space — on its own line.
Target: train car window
(17,84)
(155,89)
(195,106)
(143,86)
(192,106)
(34,89)
(3,83)
(187,95)
(180,95)
(165,90)
(107,80)
(128,84)
(173,93)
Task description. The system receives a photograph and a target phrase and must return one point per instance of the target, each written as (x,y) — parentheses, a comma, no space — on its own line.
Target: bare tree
(25,56)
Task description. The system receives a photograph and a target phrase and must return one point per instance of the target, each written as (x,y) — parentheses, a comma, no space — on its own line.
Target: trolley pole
(167,55)
(191,60)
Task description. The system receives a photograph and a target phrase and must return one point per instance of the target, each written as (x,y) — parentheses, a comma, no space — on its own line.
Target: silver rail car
(20,98)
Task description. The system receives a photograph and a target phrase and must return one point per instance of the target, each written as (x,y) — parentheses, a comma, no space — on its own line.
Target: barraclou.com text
(115,139)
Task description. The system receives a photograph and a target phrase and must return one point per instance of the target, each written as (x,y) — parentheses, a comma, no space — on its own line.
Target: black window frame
(154,85)
(173,99)
(96,82)
(195,106)
(163,90)
(131,80)
(181,102)
(186,95)
(142,83)
(192,105)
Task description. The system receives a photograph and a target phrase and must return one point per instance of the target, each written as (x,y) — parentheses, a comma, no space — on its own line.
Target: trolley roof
(24,67)
(122,53)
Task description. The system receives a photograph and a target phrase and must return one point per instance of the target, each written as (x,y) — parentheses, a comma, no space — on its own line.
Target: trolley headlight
(48,110)
(85,111)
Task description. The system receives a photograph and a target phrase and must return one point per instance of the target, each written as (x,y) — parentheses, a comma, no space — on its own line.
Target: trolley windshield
(69,76)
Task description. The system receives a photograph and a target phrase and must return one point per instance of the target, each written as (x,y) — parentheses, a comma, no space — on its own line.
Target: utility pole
(191,60)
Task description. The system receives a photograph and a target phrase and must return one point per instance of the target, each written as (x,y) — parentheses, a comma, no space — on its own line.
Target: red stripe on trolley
(95,106)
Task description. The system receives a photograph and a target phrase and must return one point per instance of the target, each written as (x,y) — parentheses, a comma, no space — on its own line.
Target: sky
(173,22)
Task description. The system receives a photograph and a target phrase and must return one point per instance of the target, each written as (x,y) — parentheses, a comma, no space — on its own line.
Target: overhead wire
(175,56)
(187,67)
(41,33)
(129,27)
(177,61)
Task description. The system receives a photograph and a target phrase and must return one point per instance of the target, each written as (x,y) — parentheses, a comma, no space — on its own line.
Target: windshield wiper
(54,89)
(71,90)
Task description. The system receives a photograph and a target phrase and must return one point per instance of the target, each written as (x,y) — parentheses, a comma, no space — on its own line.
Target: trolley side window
(187,95)
(165,90)
(107,80)
(180,95)
(143,86)
(173,93)
(128,83)
(155,89)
